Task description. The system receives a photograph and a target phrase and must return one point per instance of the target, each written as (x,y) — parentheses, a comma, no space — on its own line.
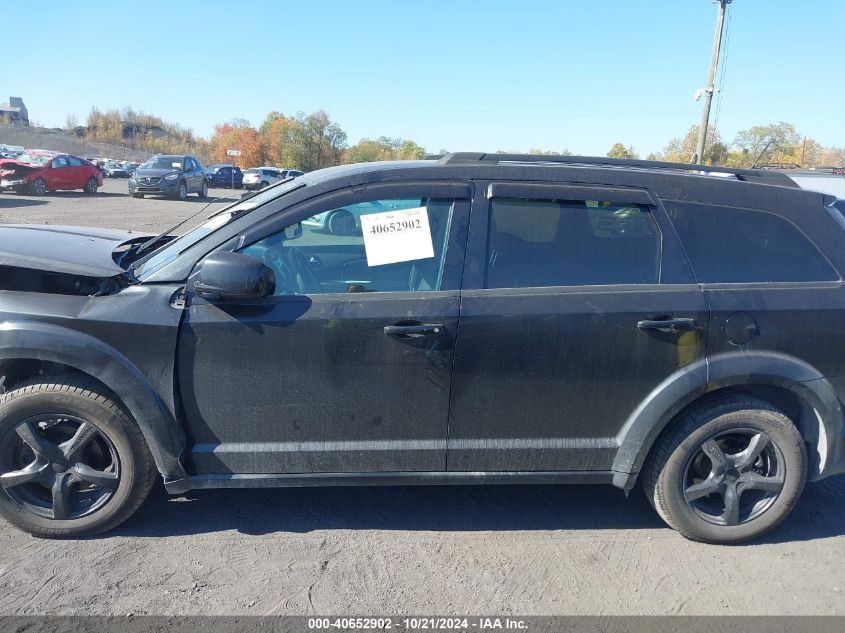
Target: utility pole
(711,78)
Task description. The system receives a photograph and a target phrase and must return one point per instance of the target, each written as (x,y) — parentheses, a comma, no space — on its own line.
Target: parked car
(261,177)
(224,176)
(38,172)
(115,170)
(493,319)
(169,175)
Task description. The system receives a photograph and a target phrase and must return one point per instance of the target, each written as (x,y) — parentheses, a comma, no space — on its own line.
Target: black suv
(169,175)
(483,319)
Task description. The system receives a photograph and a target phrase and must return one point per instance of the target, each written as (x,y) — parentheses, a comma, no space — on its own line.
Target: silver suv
(260,177)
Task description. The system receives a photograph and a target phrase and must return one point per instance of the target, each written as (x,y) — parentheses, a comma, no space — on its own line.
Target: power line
(723,69)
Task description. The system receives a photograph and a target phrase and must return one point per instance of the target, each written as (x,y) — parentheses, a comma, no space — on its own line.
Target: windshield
(169,251)
(34,160)
(163,162)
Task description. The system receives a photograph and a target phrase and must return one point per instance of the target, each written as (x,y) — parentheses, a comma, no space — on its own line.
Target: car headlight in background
(171,176)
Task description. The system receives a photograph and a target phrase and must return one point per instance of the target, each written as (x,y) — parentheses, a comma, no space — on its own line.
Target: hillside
(61,141)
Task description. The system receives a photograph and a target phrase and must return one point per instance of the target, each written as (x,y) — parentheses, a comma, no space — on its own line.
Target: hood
(18,166)
(73,250)
(155,173)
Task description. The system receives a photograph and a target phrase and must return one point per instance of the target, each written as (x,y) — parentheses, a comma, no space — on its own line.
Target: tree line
(777,144)
(313,141)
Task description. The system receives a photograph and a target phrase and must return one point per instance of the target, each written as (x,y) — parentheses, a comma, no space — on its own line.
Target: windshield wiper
(158,238)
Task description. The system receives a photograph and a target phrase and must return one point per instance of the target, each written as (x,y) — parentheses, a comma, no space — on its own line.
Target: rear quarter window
(730,245)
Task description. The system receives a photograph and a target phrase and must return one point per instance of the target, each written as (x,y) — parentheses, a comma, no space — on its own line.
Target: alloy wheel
(58,466)
(734,477)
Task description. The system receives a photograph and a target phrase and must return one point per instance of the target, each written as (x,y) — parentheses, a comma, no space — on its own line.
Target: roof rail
(750,175)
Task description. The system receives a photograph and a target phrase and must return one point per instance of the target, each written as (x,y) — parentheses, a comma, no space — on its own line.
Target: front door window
(388,245)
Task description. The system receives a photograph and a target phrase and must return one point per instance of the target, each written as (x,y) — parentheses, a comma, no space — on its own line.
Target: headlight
(171,176)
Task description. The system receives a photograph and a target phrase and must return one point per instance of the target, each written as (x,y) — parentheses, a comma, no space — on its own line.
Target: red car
(38,172)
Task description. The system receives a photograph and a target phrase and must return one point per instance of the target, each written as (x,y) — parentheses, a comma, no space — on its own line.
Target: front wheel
(203,193)
(72,462)
(38,187)
(728,471)
(182,194)
(90,185)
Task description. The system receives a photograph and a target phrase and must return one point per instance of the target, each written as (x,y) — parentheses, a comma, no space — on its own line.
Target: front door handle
(667,325)
(413,331)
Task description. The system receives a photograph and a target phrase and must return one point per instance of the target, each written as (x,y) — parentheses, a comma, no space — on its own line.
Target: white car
(260,177)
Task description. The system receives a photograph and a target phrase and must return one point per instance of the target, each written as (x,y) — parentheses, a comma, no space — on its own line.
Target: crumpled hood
(16,165)
(75,250)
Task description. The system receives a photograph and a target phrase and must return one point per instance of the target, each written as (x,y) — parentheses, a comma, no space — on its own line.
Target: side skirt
(387,479)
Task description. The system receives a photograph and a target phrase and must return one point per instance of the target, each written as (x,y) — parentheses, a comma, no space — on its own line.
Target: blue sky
(456,74)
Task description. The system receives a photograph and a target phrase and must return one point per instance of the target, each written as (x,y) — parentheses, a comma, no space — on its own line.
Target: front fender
(47,342)
(734,369)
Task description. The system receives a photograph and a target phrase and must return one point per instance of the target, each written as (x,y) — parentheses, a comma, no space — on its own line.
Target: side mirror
(232,276)
(294,231)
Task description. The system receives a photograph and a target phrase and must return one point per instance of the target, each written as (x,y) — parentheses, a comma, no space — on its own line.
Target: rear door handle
(667,325)
(413,331)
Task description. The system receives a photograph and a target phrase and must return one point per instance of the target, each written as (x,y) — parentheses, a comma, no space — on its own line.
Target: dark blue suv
(224,176)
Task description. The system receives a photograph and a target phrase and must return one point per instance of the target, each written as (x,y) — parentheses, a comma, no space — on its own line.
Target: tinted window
(328,252)
(570,243)
(60,161)
(740,245)
(74,162)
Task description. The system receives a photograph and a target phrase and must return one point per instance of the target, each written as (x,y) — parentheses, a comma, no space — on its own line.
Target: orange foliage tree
(237,136)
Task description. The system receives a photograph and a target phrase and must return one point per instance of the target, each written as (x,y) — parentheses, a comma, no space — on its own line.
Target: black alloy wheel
(734,477)
(58,466)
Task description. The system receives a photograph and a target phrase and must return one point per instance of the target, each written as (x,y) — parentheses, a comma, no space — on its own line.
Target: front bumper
(16,184)
(160,188)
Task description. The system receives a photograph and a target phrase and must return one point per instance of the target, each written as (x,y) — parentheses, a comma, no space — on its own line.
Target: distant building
(14,112)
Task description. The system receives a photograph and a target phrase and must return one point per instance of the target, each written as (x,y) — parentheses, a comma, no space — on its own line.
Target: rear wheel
(728,472)
(38,187)
(263,184)
(72,462)
(90,185)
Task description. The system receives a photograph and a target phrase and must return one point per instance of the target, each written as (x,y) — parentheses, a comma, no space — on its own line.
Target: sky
(461,75)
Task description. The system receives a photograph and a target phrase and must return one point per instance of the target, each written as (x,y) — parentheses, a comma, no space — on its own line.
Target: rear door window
(541,243)
(731,245)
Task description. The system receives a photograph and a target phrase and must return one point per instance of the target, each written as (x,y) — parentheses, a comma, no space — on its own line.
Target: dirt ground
(528,550)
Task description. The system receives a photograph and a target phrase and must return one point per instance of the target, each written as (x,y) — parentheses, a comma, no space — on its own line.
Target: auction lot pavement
(528,550)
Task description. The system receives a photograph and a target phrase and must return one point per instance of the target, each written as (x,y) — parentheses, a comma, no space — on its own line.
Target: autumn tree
(774,143)
(235,135)
(383,148)
(682,149)
(549,152)
(620,151)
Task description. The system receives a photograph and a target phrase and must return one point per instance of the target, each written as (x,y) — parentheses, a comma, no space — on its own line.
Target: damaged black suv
(473,319)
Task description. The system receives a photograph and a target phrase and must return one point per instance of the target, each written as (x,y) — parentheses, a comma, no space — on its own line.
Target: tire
(90,185)
(182,193)
(137,195)
(263,184)
(203,193)
(62,489)
(38,187)
(740,449)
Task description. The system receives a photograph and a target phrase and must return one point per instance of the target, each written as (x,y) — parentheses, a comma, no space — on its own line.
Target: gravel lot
(529,550)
